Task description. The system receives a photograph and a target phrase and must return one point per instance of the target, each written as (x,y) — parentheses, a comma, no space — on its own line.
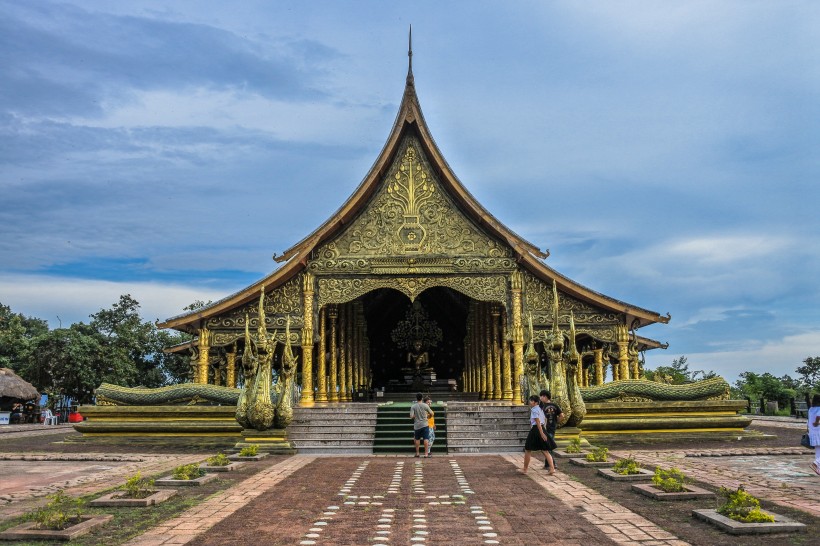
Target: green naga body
(715,388)
(188,394)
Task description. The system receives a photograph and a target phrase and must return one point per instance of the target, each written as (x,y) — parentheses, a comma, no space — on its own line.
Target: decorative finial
(410,80)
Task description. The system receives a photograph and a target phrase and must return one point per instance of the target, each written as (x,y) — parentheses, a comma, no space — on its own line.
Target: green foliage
(137,487)
(809,374)
(249,451)
(598,455)
(626,466)
(574,446)
(218,460)
(61,511)
(741,506)
(677,373)
(670,481)
(766,386)
(187,472)
(116,346)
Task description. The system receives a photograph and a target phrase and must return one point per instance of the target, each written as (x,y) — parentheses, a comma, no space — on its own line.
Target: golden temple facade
(412,239)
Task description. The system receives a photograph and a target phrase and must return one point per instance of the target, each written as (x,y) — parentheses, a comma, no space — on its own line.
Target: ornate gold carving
(587,317)
(333,393)
(204,357)
(342,290)
(411,226)
(307,339)
(279,303)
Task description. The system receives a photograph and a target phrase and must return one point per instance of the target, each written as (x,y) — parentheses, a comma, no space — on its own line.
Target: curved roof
(411,120)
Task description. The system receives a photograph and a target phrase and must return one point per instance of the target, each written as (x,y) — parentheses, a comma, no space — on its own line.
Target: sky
(666,153)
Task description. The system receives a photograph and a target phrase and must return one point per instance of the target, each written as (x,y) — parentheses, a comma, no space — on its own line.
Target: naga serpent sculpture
(174,395)
(284,406)
(260,411)
(576,400)
(715,388)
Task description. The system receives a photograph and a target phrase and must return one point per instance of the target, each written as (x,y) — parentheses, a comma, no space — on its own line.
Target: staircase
(487,427)
(333,428)
(394,429)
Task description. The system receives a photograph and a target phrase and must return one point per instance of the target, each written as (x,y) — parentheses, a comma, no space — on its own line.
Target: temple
(412,262)
(411,285)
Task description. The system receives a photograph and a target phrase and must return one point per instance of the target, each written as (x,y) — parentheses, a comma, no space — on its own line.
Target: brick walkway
(734,467)
(620,524)
(455,500)
(203,517)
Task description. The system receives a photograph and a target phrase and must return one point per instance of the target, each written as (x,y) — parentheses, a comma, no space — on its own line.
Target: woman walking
(814,431)
(537,439)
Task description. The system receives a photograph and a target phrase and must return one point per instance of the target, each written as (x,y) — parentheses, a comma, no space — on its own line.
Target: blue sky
(665,153)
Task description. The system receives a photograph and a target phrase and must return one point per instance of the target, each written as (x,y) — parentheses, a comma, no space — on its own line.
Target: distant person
(420,413)
(431,424)
(814,431)
(553,414)
(16,414)
(537,439)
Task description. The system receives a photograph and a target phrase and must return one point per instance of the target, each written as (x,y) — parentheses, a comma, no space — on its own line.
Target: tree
(810,374)
(16,333)
(129,344)
(764,386)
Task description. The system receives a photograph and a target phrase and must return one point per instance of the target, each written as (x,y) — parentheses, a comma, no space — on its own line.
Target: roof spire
(410,80)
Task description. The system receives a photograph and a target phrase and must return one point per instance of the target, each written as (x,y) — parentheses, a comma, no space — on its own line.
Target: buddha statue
(417,359)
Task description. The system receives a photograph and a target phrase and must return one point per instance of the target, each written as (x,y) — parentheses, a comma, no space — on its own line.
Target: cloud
(66,301)
(53,68)
(778,357)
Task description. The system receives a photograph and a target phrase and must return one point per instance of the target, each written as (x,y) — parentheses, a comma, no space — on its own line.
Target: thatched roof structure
(12,386)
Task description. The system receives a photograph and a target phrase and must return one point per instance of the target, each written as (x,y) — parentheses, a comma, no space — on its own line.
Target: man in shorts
(420,413)
(552,413)
(431,424)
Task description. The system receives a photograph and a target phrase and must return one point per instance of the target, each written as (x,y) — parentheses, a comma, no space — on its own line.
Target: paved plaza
(401,500)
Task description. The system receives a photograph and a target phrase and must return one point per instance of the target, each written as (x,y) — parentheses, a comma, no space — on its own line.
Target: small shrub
(670,481)
(574,446)
(218,460)
(137,487)
(627,466)
(741,506)
(61,512)
(598,455)
(187,472)
(249,451)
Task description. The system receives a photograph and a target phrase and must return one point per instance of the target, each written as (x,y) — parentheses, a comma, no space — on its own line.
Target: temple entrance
(416,345)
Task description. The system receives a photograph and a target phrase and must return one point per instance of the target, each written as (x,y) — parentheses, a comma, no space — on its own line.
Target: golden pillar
(622,337)
(343,353)
(469,359)
(217,372)
(481,336)
(495,313)
(307,340)
(204,356)
(517,284)
(321,393)
(350,321)
(506,372)
(488,351)
(230,368)
(616,375)
(634,371)
(333,314)
(599,366)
